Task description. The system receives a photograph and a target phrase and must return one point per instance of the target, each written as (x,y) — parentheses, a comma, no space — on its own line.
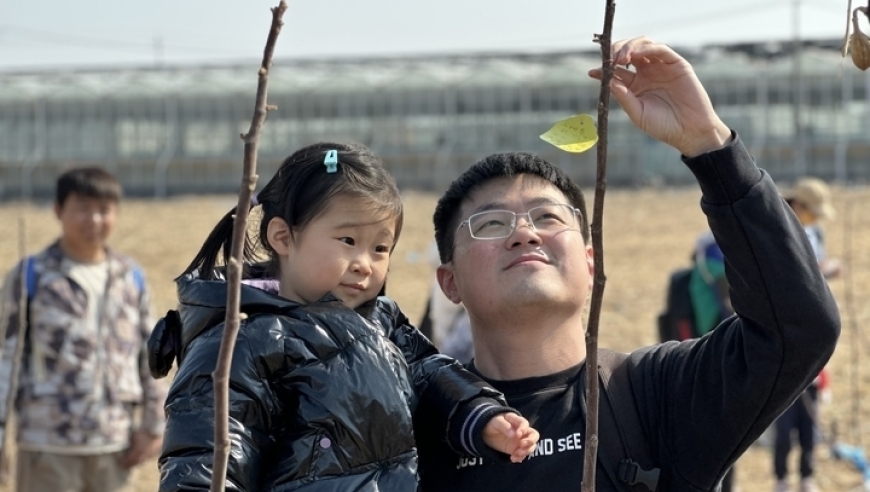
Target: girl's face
(345,250)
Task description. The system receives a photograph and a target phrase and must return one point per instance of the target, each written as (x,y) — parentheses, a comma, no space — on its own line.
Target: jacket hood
(202,305)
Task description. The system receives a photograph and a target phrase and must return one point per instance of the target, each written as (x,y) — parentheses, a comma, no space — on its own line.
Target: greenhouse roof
(400,73)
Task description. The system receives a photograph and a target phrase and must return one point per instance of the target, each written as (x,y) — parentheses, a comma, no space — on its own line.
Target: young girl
(326,374)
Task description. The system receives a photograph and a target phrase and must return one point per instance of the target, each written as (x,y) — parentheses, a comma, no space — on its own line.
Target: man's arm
(703,402)
(714,396)
(147,439)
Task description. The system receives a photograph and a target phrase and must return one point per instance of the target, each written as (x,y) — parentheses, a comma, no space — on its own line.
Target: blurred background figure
(697,302)
(444,322)
(75,318)
(810,198)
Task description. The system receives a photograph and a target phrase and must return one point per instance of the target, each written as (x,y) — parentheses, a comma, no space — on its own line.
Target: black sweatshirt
(700,403)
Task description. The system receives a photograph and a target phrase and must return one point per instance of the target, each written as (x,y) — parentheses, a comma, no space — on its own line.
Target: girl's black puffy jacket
(321,396)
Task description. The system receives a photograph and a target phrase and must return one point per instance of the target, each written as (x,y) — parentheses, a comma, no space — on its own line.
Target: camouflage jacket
(81,388)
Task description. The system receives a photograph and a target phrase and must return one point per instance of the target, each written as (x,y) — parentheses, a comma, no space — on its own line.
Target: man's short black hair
(504,165)
(91,182)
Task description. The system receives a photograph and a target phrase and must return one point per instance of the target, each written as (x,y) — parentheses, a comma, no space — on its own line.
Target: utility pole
(800,159)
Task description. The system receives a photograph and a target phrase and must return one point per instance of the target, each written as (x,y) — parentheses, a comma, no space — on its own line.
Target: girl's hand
(511,434)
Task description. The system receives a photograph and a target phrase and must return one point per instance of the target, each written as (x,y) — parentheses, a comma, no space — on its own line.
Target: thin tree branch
(590,455)
(234,266)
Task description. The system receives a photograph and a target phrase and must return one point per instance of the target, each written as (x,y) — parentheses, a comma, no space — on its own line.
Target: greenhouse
(801,108)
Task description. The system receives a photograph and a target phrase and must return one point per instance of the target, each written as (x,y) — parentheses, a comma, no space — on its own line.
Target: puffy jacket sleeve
(187,456)
(460,402)
(712,397)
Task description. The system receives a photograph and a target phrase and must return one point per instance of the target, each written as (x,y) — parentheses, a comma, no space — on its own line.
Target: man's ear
(57,209)
(447,282)
(278,234)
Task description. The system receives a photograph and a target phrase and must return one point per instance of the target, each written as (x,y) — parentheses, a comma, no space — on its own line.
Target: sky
(107,33)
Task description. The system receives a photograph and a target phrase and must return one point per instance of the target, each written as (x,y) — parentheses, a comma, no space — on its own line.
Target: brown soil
(648,233)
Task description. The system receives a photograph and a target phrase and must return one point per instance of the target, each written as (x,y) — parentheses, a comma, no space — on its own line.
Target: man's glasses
(497,224)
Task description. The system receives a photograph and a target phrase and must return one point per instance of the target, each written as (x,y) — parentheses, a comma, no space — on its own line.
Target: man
(87,408)
(513,237)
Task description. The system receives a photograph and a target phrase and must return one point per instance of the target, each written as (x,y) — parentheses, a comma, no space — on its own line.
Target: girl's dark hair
(300,191)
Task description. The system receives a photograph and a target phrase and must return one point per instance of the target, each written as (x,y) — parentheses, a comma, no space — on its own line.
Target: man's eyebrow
(534,202)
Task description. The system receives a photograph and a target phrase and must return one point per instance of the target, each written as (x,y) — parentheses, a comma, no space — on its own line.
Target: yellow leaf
(575,134)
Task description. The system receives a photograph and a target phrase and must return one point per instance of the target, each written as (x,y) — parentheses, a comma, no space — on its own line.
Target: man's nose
(524,231)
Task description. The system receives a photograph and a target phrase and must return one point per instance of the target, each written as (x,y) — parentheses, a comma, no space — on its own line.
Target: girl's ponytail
(219,239)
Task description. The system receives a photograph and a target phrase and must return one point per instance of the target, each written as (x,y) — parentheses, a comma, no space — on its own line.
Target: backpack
(677,321)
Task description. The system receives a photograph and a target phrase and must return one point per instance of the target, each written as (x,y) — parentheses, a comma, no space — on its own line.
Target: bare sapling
(234,265)
(590,455)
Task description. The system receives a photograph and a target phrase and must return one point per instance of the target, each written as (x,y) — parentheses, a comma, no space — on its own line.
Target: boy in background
(74,319)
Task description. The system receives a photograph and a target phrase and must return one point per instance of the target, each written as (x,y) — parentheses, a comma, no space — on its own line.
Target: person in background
(810,198)
(87,409)
(446,323)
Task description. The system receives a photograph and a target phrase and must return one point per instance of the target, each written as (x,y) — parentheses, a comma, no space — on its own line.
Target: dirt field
(647,232)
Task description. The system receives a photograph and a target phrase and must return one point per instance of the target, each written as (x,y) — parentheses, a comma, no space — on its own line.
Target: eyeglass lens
(494,224)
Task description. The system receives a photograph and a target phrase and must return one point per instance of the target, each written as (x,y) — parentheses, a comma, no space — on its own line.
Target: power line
(92,42)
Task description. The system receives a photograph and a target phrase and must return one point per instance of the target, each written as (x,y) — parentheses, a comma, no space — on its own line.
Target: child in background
(327,372)
(810,198)
(71,364)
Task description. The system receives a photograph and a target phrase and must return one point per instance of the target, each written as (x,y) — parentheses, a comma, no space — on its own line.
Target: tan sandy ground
(648,233)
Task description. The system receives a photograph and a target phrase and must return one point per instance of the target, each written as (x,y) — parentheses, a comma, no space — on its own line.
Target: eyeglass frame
(514,222)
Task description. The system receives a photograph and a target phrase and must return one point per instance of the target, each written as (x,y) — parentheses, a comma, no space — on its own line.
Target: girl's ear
(278,234)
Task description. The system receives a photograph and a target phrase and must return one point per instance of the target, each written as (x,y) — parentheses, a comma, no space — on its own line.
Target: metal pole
(800,163)
(161,167)
(841,149)
(761,102)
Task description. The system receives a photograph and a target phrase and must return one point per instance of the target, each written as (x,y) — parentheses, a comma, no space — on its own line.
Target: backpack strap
(31,279)
(139,278)
(609,466)
(618,414)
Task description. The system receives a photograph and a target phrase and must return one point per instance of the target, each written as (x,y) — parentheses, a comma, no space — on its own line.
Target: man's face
(550,270)
(86,223)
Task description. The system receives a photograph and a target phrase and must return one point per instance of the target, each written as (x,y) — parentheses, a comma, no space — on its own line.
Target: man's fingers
(627,100)
(619,73)
(642,50)
(624,49)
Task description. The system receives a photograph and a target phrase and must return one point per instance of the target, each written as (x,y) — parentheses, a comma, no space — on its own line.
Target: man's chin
(532,292)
